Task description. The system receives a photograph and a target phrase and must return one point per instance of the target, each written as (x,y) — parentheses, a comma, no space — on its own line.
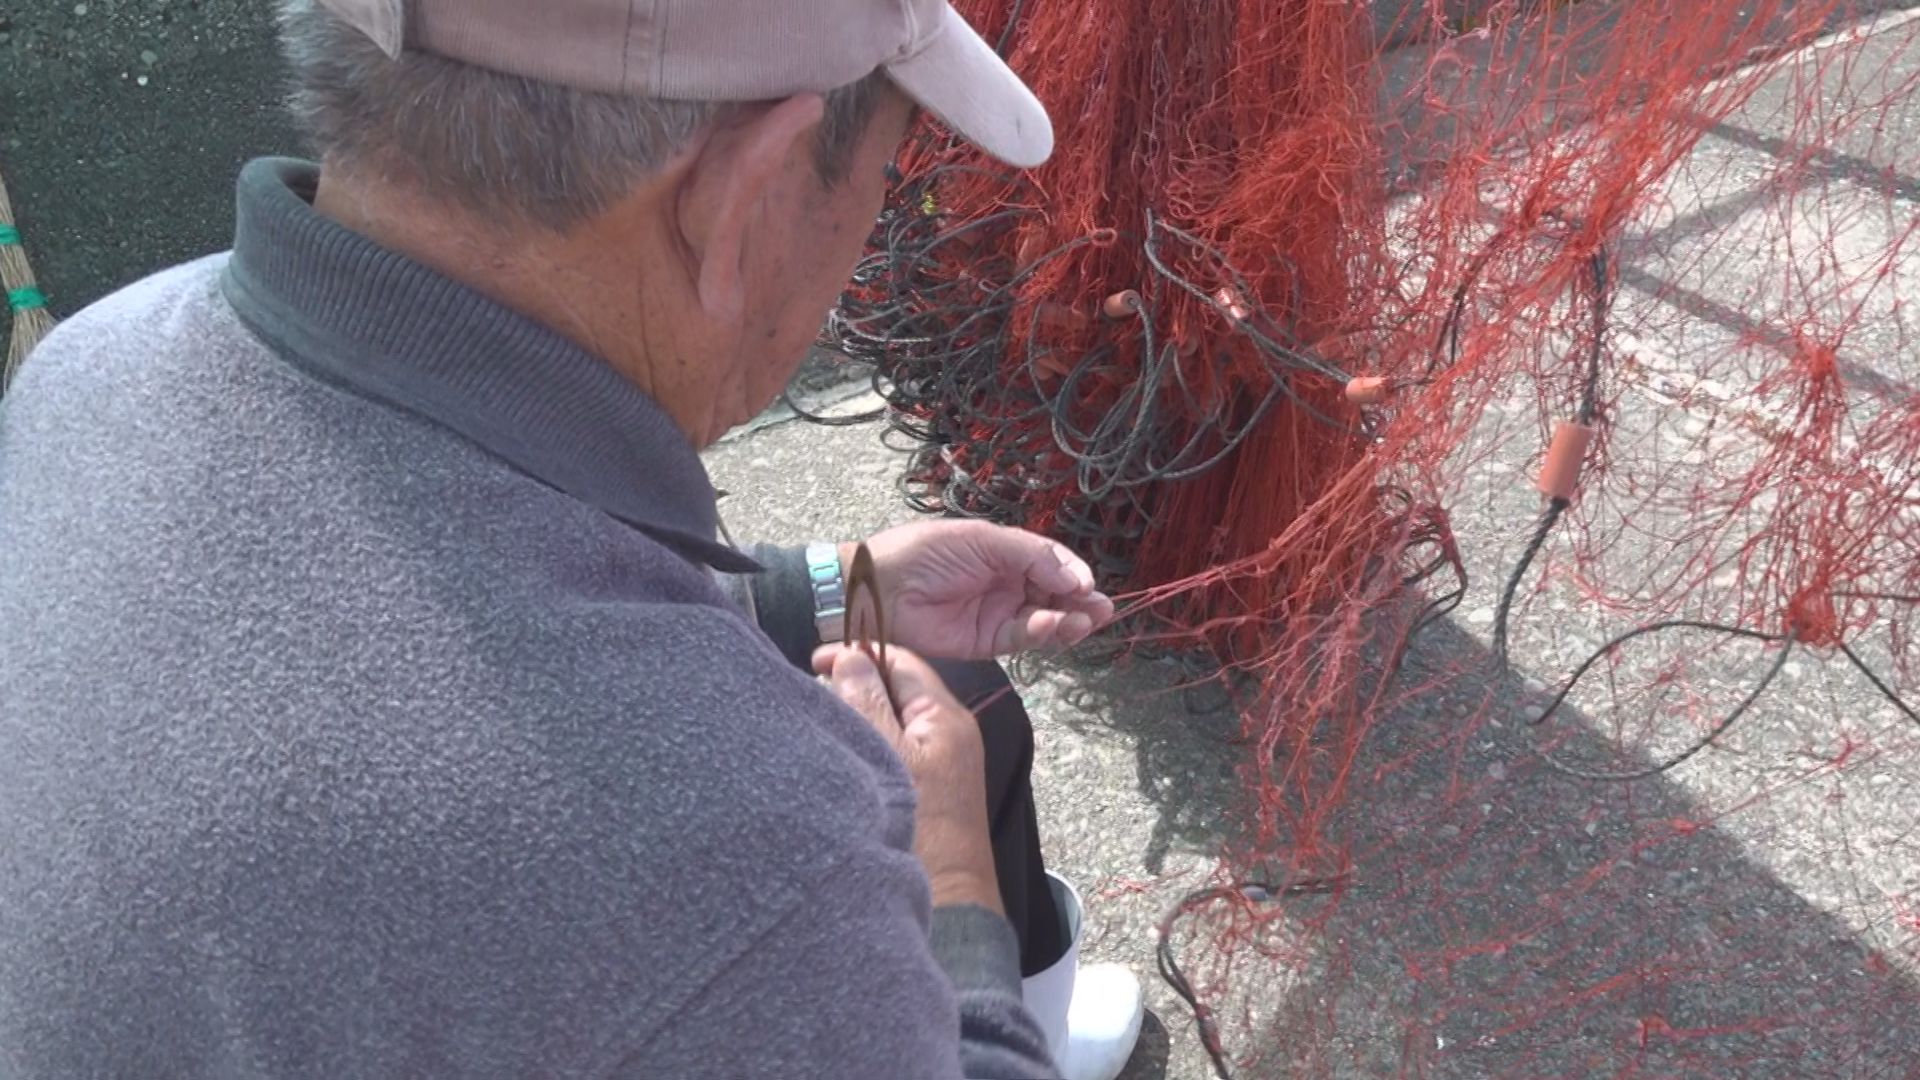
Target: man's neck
(578,284)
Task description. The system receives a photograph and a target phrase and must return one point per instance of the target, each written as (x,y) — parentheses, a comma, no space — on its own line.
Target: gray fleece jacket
(369,708)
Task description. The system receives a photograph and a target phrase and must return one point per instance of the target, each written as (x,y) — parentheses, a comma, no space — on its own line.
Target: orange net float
(1121,305)
(1367,390)
(1031,249)
(1560,473)
(1235,305)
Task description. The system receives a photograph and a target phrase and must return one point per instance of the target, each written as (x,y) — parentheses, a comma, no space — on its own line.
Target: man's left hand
(972,590)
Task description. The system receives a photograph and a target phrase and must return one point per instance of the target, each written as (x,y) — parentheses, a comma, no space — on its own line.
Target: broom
(31,319)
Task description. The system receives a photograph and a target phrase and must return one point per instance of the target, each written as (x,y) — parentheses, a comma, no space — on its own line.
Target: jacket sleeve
(849,985)
(981,957)
(783,602)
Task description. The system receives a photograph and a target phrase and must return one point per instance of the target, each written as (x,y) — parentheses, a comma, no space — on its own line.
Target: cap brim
(960,79)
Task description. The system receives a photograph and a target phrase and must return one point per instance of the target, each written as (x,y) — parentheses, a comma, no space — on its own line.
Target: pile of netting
(1514,402)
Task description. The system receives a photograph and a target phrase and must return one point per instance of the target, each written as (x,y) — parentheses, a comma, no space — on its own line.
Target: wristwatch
(829,592)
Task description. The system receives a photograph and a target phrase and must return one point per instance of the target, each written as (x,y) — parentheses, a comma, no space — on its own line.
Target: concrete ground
(1744,916)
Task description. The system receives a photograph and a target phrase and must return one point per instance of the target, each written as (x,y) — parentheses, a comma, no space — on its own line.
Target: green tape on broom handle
(25,298)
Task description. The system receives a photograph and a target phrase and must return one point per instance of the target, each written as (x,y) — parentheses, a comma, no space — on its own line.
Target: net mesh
(1514,401)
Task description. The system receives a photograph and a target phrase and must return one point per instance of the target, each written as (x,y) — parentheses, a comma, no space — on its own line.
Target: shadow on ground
(1502,919)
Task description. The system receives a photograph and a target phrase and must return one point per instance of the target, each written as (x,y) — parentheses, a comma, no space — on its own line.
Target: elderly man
(377,695)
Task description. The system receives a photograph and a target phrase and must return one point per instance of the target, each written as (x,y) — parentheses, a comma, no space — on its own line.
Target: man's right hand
(940,742)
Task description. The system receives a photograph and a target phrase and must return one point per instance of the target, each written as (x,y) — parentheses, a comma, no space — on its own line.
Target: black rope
(868,417)
(1718,729)
(1878,683)
(1587,412)
(1256,892)
(1000,412)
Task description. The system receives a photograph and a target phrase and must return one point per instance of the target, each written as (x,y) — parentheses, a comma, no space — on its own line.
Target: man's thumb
(857,681)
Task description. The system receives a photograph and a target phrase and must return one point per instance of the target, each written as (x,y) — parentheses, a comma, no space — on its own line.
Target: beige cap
(731,50)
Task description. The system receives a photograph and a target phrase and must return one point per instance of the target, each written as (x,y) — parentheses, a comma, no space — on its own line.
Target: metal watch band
(829,591)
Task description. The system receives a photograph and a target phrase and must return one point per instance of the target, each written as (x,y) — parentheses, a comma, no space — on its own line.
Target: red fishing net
(1514,400)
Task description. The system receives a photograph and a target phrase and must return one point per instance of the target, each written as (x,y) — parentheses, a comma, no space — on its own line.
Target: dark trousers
(1007,732)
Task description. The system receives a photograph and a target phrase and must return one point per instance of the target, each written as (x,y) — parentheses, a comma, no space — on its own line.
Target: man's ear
(725,190)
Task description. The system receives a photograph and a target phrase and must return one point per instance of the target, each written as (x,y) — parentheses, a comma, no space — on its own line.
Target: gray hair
(500,145)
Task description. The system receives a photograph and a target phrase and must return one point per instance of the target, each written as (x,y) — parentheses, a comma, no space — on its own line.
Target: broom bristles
(31,319)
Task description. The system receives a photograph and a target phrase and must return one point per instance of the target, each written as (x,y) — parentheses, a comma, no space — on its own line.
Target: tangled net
(1579,325)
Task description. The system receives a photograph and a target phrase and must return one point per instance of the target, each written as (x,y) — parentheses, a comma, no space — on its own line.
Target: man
(372,699)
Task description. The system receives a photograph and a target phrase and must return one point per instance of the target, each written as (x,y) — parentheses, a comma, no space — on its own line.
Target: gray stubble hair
(500,145)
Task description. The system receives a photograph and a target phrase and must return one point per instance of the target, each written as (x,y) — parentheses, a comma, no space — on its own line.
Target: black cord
(975,373)
(1878,683)
(1256,892)
(786,398)
(1587,410)
(1719,729)
(1586,413)
(1006,34)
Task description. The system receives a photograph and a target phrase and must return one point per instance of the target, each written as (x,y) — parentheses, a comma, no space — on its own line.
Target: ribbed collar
(346,310)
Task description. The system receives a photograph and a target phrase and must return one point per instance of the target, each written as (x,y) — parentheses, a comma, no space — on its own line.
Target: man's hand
(972,590)
(940,742)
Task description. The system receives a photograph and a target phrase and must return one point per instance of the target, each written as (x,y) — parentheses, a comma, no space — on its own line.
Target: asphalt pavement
(122,128)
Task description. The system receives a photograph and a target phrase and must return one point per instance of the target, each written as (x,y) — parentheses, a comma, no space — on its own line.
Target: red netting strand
(1514,401)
